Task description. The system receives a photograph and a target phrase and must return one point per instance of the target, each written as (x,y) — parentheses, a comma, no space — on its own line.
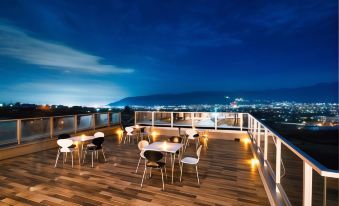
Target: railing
(213,120)
(17,131)
(289,168)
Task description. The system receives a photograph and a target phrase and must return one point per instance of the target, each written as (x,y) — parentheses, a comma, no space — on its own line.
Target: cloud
(78,92)
(16,43)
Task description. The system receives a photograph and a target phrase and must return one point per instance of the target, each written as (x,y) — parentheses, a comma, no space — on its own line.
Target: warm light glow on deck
(245,140)
(254,162)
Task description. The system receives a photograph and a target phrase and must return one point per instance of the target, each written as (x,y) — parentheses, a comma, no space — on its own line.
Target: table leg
(173,166)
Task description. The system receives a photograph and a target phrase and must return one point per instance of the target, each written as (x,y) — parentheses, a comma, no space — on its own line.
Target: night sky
(97,52)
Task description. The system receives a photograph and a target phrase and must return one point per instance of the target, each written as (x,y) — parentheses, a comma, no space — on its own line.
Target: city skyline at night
(77,53)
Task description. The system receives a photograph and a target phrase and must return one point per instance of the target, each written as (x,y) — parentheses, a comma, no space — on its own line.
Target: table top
(164,147)
(139,127)
(82,138)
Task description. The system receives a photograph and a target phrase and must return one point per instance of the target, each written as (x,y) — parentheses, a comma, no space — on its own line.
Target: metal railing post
(93,121)
(278,163)
(51,126)
(258,135)
(215,120)
(18,131)
(75,123)
(152,119)
(108,119)
(307,185)
(241,121)
(135,118)
(192,118)
(265,146)
(249,122)
(172,119)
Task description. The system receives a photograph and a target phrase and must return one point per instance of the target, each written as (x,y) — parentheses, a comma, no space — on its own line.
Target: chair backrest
(153,156)
(175,139)
(99,134)
(198,151)
(191,133)
(142,144)
(64,136)
(98,141)
(129,130)
(64,144)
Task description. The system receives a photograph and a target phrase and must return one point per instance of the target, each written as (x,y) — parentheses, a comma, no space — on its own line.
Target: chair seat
(90,145)
(92,148)
(142,154)
(190,160)
(155,164)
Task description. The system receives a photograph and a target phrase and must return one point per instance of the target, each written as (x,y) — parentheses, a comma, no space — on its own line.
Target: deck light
(254,162)
(246,140)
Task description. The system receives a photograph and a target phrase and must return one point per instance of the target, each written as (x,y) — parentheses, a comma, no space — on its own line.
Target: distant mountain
(323,92)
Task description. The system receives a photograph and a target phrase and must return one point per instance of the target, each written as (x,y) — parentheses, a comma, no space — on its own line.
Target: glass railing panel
(84,122)
(8,132)
(144,118)
(262,138)
(228,120)
(114,118)
(332,191)
(245,120)
(162,118)
(292,175)
(317,189)
(271,151)
(204,119)
(101,120)
(63,125)
(182,119)
(32,129)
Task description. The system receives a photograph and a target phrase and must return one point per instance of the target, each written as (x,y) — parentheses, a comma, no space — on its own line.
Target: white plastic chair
(191,133)
(191,161)
(146,133)
(64,144)
(96,135)
(141,145)
(129,134)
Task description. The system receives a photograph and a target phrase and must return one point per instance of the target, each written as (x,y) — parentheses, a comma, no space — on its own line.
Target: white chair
(141,145)
(96,135)
(191,136)
(191,161)
(129,134)
(147,133)
(65,148)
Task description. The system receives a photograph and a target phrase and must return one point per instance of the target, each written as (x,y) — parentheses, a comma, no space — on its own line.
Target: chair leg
(143,176)
(79,157)
(92,158)
(84,158)
(162,178)
(56,161)
(181,168)
(72,159)
(150,172)
(196,168)
(136,171)
(103,154)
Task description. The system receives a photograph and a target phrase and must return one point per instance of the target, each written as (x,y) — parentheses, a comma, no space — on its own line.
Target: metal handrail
(317,166)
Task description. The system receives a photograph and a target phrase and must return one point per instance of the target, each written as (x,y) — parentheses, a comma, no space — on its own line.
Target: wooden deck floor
(226,177)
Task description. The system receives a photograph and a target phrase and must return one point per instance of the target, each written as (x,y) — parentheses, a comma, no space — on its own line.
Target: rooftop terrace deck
(226,176)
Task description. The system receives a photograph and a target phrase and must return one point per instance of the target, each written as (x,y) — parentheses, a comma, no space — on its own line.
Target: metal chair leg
(103,154)
(84,158)
(92,158)
(56,161)
(143,177)
(196,168)
(72,159)
(136,171)
(162,178)
(181,168)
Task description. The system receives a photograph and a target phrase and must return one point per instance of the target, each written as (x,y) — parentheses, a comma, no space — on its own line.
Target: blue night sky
(97,52)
